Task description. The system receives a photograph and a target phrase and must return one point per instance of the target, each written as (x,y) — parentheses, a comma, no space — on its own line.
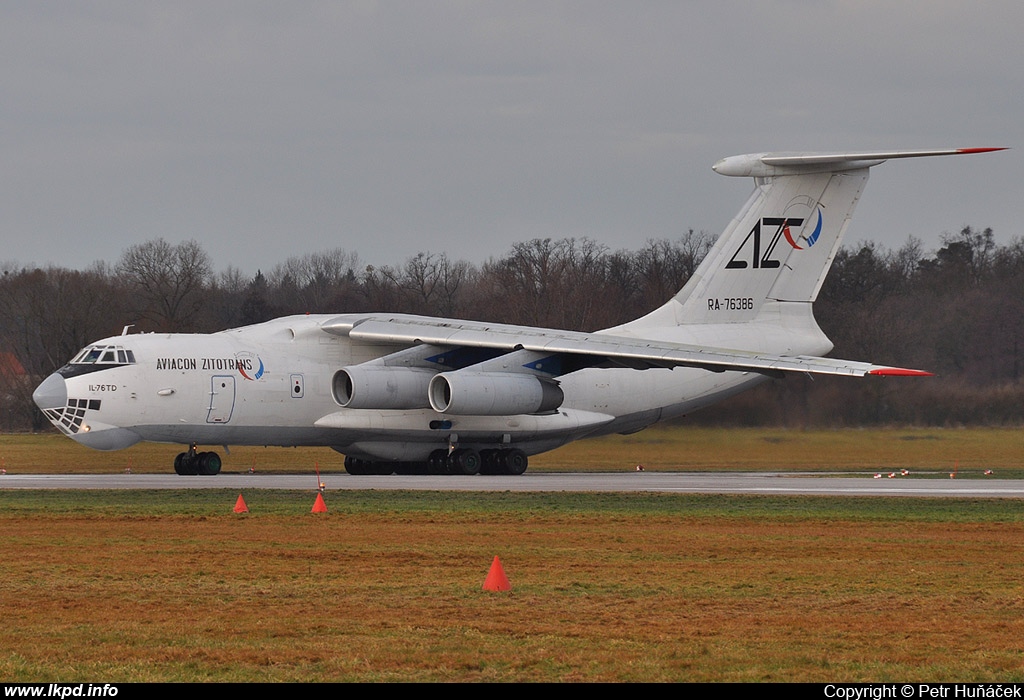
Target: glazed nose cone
(52,393)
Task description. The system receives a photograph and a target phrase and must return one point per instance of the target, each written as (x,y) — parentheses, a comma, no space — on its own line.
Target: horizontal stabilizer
(775,164)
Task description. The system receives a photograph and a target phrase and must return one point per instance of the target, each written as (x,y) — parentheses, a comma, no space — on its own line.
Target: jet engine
(493,393)
(381,387)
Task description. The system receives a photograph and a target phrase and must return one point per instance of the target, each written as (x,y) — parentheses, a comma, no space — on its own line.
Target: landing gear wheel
(516,462)
(410,468)
(438,462)
(490,462)
(182,464)
(366,467)
(356,467)
(382,468)
(208,463)
(465,462)
(191,463)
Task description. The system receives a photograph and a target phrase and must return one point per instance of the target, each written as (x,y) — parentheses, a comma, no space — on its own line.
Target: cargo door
(222,398)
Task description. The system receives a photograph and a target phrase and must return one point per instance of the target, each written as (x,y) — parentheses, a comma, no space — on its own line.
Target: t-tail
(772,258)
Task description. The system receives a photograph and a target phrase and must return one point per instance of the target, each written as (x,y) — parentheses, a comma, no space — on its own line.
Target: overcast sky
(266,130)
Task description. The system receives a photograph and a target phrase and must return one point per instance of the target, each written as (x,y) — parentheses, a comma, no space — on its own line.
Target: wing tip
(900,372)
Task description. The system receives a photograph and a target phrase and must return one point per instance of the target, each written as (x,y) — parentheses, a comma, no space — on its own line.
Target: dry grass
(662,447)
(172,586)
(752,449)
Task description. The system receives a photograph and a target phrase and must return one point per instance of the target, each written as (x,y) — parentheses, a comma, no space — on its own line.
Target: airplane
(414,394)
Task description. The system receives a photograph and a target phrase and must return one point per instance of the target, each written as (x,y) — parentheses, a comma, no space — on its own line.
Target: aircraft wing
(613,349)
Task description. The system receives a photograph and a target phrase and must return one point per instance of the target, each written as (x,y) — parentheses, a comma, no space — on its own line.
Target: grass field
(667,448)
(172,586)
(386,586)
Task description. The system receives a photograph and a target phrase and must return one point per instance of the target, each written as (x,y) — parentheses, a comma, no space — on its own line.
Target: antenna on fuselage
(124,331)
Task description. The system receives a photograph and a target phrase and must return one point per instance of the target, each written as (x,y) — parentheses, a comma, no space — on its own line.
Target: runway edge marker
(496,579)
(318,505)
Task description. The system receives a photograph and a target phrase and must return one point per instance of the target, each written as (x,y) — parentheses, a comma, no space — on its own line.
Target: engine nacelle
(377,386)
(493,394)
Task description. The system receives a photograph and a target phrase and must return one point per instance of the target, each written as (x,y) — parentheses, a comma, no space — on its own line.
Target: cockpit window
(96,358)
(104,355)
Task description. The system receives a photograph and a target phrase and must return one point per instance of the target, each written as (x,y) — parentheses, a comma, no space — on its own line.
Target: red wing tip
(980,150)
(900,372)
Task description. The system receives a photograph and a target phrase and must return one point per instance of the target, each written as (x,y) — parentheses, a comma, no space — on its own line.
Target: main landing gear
(462,461)
(192,462)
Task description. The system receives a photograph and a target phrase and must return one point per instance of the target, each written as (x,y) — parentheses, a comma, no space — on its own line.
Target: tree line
(955,312)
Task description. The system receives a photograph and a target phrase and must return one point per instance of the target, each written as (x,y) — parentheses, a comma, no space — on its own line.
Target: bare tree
(526,282)
(315,282)
(224,298)
(663,267)
(256,307)
(168,282)
(431,282)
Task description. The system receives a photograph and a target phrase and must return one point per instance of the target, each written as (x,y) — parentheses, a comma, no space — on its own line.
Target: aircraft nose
(52,393)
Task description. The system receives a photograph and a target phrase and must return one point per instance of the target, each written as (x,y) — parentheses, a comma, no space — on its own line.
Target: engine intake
(493,394)
(377,386)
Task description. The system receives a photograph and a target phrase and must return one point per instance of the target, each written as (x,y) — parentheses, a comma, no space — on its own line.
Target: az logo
(777,228)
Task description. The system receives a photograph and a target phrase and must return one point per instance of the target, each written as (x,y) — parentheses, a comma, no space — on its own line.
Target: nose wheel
(191,463)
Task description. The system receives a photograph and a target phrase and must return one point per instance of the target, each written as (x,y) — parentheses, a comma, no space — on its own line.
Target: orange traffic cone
(319,506)
(496,579)
(240,506)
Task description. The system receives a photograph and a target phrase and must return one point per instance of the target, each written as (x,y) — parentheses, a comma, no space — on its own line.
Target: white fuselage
(271,384)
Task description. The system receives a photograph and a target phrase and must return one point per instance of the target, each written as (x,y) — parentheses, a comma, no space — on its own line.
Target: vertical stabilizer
(776,252)
(778,248)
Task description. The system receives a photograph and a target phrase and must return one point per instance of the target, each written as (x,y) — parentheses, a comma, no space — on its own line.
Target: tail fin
(780,246)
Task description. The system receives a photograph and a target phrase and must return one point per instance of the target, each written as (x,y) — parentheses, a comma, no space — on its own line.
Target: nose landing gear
(192,462)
